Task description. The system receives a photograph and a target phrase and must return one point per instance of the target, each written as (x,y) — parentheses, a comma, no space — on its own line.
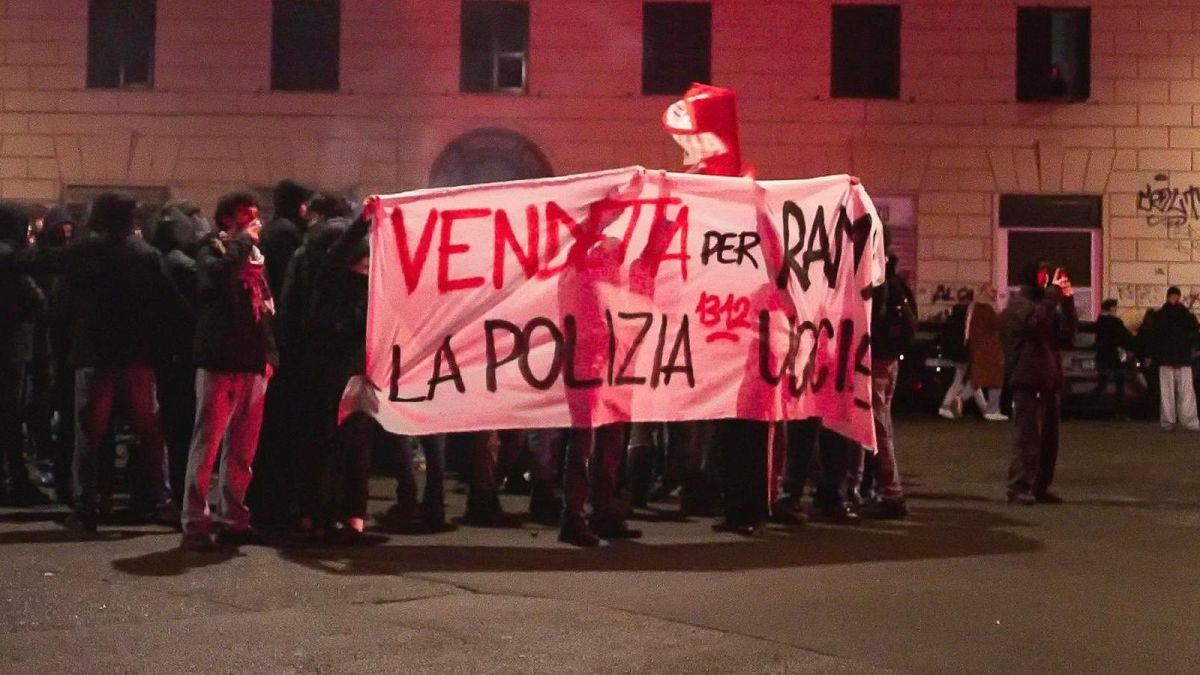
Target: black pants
(12,463)
(348,474)
(592,470)
(1036,417)
(177,409)
(744,447)
(806,439)
(433,501)
(283,460)
(1117,377)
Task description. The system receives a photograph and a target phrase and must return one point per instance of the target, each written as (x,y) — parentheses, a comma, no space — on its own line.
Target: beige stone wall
(955,139)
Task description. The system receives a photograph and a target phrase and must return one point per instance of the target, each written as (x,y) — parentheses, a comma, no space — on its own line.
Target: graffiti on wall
(936,300)
(1165,205)
(1153,296)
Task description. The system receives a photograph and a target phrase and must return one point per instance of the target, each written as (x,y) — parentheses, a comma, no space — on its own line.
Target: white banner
(624,295)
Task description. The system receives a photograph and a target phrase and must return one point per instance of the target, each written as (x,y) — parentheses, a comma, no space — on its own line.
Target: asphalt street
(1107,582)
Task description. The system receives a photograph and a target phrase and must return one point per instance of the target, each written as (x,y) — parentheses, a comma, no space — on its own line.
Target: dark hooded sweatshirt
(285,233)
(1038,324)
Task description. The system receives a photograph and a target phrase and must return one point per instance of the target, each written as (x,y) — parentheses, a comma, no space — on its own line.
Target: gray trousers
(883,388)
(229,414)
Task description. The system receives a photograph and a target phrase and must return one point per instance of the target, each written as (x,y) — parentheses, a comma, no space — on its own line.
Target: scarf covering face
(254,280)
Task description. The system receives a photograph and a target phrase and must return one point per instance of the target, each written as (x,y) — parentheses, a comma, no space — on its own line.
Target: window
(120,44)
(866,51)
(495,46)
(1053,54)
(676,46)
(305,45)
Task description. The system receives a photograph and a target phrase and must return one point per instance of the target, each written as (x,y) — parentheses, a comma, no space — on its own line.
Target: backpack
(895,320)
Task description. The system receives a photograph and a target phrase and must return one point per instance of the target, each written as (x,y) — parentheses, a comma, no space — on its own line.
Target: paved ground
(1106,583)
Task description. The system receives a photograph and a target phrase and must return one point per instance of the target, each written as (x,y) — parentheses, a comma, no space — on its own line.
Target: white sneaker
(947,413)
(995,417)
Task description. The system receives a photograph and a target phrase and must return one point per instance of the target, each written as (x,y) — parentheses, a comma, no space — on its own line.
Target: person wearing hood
(53,380)
(120,303)
(285,233)
(335,351)
(22,304)
(176,234)
(1039,322)
(1174,340)
(273,496)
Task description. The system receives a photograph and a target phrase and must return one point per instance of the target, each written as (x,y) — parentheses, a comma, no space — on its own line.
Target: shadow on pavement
(171,562)
(64,536)
(932,534)
(40,516)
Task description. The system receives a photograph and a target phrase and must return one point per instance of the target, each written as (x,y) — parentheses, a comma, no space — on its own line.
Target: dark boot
(483,510)
(575,531)
(545,506)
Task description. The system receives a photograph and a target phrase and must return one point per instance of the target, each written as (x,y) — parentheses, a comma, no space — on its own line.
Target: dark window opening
(676,46)
(306,45)
(120,44)
(495,47)
(1053,54)
(866,51)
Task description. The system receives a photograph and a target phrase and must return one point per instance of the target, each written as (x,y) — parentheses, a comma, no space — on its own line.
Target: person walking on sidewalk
(1039,322)
(1175,329)
(986,354)
(235,356)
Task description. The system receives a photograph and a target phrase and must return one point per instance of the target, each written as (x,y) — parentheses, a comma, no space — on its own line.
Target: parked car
(926,375)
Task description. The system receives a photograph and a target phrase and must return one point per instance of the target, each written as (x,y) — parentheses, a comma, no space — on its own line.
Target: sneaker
(839,514)
(755,529)
(946,413)
(787,513)
(891,509)
(1047,498)
(995,417)
(197,542)
(575,531)
(1023,498)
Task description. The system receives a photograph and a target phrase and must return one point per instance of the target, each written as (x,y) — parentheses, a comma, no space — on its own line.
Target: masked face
(1043,277)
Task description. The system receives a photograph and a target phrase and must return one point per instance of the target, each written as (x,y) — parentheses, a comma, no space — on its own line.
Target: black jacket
(280,239)
(21,305)
(337,316)
(234,308)
(1111,335)
(1173,335)
(1037,326)
(893,319)
(118,302)
(302,273)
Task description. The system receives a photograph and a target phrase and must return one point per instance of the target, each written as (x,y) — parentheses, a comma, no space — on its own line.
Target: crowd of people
(223,349)
(1163,345)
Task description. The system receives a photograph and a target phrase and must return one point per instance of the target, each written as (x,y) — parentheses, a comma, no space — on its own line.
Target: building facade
(971,177)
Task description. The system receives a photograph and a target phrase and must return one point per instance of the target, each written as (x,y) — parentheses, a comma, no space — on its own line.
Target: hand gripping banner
(618,296)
